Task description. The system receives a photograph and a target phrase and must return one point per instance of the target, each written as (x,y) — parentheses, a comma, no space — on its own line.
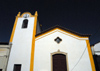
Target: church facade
(55,49)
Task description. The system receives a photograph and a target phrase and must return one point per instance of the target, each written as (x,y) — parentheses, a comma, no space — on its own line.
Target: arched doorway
(59,62)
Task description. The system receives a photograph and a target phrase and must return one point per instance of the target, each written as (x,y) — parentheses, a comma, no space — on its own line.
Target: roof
(4,43)
(95,43)
(65,29)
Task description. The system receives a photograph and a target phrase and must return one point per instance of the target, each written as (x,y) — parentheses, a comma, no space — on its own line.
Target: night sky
(82,16)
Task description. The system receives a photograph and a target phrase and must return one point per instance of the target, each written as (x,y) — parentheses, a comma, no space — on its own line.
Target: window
(59,62)
(17,67)
(0,69)
(25,23)
(58,40)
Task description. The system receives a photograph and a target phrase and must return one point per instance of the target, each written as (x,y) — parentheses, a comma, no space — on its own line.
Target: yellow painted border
(13,31)
(33,43)
(14,27)
(33,39)
(90,55)
(18,16)
(60,30)
(27,13)
(72,33)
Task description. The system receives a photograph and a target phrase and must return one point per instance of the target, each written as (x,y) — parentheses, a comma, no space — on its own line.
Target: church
(55,49)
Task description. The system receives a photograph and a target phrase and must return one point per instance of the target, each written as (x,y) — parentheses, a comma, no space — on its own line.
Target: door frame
(59,52)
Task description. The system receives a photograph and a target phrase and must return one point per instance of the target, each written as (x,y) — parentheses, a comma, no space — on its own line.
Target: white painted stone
(21,45)
(4,56)
(96,48)
(74,47)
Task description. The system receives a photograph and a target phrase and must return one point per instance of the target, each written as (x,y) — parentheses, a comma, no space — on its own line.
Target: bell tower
(23,42)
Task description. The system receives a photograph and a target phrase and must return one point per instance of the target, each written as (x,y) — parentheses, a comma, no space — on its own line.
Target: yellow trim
(60,30)
(45,33)
(90,55)
(33,43)
(13,31)
(18,14)
(27,13)
(72,33)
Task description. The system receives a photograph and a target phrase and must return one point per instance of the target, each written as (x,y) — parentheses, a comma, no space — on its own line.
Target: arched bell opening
(25,23)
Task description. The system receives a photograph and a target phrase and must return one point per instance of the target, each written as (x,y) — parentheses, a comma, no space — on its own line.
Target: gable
(73,45)
(62,31)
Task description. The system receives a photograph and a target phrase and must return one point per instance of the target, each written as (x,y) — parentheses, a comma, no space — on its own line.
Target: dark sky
(82,16)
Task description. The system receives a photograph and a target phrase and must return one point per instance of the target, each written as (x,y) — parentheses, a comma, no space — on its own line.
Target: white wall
(4,53)
(21,45)
(3,62)
(96,48)
(45,45)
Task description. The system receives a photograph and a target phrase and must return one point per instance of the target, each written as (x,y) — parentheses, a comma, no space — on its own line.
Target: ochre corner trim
(33,45)
(90,55)
(27,13)
(13,31)
(60,30)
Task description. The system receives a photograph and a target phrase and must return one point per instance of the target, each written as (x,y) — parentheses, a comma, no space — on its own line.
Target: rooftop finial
(18,14)
(36,14)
